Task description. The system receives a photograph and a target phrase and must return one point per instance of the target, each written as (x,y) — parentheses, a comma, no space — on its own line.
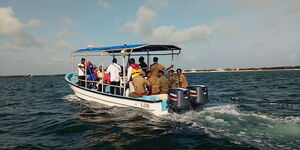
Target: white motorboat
(178,100)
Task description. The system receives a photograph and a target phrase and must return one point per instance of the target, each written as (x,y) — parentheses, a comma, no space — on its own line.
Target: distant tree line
(261,68)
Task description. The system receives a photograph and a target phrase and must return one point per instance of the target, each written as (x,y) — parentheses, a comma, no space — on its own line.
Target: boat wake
(259,130)
(224,121)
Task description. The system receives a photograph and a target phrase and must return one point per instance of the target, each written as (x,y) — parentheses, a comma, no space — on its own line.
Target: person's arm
(148,85)
(169,67)
(108,69)
(180,81)
(129,73)
(147,82)
(80,65)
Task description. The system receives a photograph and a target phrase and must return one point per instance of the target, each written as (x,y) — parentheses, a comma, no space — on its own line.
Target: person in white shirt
(81,72)
(114,70)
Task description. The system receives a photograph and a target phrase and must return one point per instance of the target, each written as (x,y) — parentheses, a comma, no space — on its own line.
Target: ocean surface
(247,110)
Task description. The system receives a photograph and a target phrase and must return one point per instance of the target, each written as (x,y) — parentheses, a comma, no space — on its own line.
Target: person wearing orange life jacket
(134,70)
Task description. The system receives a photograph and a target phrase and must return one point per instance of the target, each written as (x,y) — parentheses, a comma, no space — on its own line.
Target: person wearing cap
(173,80)
(182,79)
(163,83)
(142,64)
(154,83)
(156,66)
(139,83)
(114,70)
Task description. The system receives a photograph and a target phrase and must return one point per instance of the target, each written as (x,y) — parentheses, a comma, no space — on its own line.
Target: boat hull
(154,107)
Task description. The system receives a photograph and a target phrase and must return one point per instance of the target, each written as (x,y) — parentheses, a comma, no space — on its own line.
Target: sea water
(247,110)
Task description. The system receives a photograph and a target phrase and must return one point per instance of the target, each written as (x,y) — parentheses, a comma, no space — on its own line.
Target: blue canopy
(134,48)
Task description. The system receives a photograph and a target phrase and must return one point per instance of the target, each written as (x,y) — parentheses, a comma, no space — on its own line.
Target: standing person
(163,83)
(154,83)
(134,70)
(173,80)
(81,72)
(114,70)
(156,66)
(142,64)
(182,79)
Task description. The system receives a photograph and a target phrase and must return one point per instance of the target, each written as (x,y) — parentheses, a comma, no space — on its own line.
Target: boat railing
(122,85)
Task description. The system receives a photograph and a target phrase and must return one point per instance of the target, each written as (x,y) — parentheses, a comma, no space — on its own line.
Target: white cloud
(60,46)
(143,26)
(69,21)
(66,33)
(156,4)
(103,4)
(240,1)
(167,34)
(293,6)
(143,23)
(8,23)
(23,40)
(34,23)
(231,31)
(293,57)
(53,61)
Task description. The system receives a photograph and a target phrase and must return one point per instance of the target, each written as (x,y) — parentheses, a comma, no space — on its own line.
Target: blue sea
(247,110)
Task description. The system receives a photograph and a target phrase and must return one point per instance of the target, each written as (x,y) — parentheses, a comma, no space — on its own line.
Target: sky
(37,36)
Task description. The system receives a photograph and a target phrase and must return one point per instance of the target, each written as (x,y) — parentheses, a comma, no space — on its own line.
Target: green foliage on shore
(248,69)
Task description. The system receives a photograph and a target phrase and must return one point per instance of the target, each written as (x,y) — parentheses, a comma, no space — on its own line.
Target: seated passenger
(154,84)
(156,66)
(173,80)
(100,74)
(182,79)
(139,83)
(163,83)
(142,64)
(106,78)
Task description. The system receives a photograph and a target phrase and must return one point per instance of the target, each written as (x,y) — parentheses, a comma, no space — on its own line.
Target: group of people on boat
(140,79)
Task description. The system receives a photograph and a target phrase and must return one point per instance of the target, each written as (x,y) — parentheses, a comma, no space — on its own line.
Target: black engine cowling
(198,96)
(178,100)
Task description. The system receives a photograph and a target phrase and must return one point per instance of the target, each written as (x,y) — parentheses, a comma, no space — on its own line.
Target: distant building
(220,70)
(193,70)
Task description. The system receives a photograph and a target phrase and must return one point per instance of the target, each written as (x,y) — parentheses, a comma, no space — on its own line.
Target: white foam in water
(258,130)
(224,121)
(71,98)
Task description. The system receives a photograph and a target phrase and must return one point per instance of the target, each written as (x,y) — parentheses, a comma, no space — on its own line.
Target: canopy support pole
(85,70)
(148,61)
(172,61)
(124,74)
(102,62)
(73,69)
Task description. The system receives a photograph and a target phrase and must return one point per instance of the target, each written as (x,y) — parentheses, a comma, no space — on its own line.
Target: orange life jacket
(136,70)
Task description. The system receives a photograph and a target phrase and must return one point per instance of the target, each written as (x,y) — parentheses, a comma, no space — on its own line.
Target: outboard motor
(178,100)
(198,96)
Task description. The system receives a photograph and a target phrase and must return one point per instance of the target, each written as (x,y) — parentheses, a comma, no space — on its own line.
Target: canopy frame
(123,51)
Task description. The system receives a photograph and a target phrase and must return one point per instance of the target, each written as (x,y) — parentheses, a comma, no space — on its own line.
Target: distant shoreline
(185,71)
(43,75)
(258,70)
